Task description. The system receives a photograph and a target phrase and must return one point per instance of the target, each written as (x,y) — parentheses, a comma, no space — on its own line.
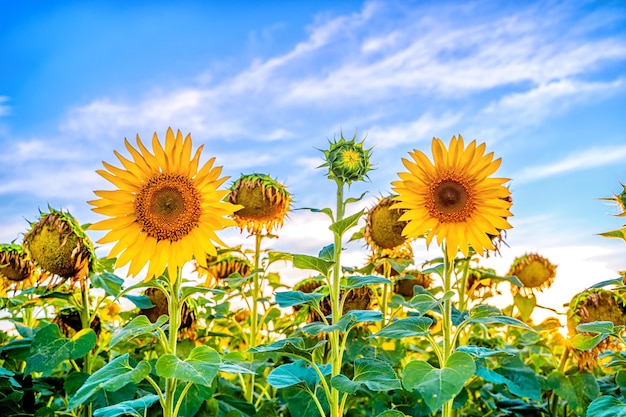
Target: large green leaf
(294,298)
(425,302)
(606,406)
(292,346)
(110,283)
(369,373)
(50,348)
(344,323)
(481,352)
(135,408)
(139,326)
(525,304)
(438,386)
(391,413)
(200,367)
(111,377)
(495,317)
(311,262)
(408,327)
(300,402)
(578,390)
(327,253)
(519,379)
(358,281)
(342,225)
(297,373)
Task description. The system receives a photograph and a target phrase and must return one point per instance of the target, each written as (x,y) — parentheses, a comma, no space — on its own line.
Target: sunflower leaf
(110,283)
(358,281)
(327,253)
(294,298)
(408,327)
(133,408)
(292,346)
(606,406)
(138,326)
(311,262)
(369,373)
(200,367)
(327,211)
(342,225)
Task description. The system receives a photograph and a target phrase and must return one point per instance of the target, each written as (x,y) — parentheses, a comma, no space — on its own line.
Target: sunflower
(596,304)
(534,271)
(60,246)
(17,270)
(160,307)
(165,210)
(347,160)
(264,202)
(405,284)
(454,198)
(355,299)
(222,267)
(383,229)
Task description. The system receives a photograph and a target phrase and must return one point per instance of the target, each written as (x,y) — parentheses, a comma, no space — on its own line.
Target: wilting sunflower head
(16,268)
(383,228)
(165,209)
(405,285)
(223,266)
(454,197)
(59,245)
(265,203)
(160,308)
(534,271)
(596,304)
(347,160)
(480,285)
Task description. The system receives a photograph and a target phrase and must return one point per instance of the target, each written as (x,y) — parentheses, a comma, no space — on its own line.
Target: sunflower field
(159,317)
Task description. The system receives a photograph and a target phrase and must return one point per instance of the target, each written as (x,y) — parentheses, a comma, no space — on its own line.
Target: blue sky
(265,85)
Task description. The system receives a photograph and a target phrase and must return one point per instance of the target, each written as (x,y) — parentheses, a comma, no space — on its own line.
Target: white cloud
(424,128)
(4,108)
(585,159)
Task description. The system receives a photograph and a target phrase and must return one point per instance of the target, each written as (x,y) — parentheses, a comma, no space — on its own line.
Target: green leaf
(408,327)
(294,298)
(481,352)
(606,406)
(327,253)
(50,348)
(140,301)
(369,373)
(296,373)
(313,263)
(577,390)
(619,233)
(587,342)
(358,281)
(342,225)
(391,413)
(200,367)
(292,346)
(135,408)
(614,281)
(111,377)
(525,305)
(139,326)
(424,303)
(519,379)
(606,327)
(327,211)
(438,386)
(500,319)
(355,200)
(234,368)
(110,283)
(300,402)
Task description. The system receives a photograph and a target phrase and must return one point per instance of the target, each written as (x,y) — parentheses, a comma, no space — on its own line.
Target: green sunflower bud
(347,160)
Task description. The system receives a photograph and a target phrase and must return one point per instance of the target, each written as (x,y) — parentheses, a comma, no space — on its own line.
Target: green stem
(254,314)
(383,304)
(335,293)
(462,284)
(174,309)
(85,320)
(448,348)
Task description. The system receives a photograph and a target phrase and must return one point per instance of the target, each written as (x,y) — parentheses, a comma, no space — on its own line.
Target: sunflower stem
(254,314)
(174,309)
(448,348)
(384,301)
(85,321)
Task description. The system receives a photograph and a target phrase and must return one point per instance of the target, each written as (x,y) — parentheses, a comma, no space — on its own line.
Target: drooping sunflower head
(347,160)
(383,228)
(454,198)
(405,284)
(165,209)
(392,264)
(17,270)
(265,203)
(596,304)
(60,246)
(160,308)
(534,271)
(221,267)
(480,284)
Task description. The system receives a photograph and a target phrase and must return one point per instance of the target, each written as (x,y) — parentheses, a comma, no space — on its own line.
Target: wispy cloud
(4,108)
(585,159)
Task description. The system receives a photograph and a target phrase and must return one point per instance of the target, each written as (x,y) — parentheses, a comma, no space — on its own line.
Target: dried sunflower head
(69,322)
(480,285)
(356,299)
(535,272)
(59,246)
(221,267)
(405,284)
(17,270)
(596,304)
(160,308)
(265,203)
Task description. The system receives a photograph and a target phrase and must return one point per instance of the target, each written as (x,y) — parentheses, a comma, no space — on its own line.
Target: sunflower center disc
(168,207)
(450,201)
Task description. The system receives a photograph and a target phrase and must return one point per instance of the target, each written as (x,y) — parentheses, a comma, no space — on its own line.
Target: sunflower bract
(165,209)
(453,198)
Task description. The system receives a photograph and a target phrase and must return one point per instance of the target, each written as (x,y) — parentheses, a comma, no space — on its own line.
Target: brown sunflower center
(450,199)
(168,207)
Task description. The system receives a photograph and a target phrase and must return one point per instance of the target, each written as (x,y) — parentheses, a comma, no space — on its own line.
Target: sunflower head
(405,285)
(160,307)
(454,198)
(59,245)
(383,228)
(165,209)
(69,322)
(347,160)
(223,266)
(480,285)
(596,304)
(265,203)
(16,268)
(534,271)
